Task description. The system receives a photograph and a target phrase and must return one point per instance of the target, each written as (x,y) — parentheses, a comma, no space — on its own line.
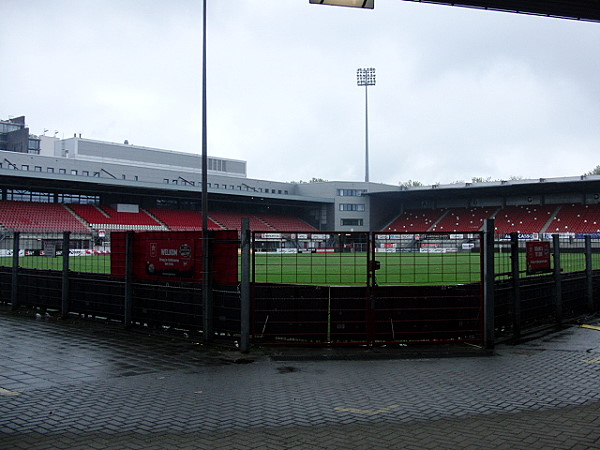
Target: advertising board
(538,256)
(176,256)
(173,257)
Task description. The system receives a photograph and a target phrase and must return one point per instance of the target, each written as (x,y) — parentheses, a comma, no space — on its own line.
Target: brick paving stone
(126,390)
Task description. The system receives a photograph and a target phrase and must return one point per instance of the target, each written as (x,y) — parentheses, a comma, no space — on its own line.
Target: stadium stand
(233,221)
(576,219)
(286,222)
(105,217)
(523,219)
(463,219)
(415,220)
(39,217)
(182,220)
(81,218)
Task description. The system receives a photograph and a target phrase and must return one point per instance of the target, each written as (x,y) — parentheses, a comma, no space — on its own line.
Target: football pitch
(341,269)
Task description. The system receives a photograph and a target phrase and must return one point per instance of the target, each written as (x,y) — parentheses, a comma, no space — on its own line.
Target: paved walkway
(82,385)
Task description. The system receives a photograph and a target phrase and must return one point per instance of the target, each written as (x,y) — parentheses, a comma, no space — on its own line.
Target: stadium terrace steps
(285,223)
(233,221)
(415,220)
(524,219)
(576,219)
(54,217)
(106,217)
(510,219)
(182,220)
(78,218)
(39,217)
(463,219)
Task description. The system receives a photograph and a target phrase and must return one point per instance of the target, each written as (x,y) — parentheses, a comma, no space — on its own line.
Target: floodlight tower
(366,78)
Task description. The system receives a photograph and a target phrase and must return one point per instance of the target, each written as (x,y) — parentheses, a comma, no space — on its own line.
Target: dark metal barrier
(366,288)
(391,289)
(428,314)
(345,315)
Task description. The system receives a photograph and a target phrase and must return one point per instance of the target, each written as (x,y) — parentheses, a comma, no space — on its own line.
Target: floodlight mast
(366,78)
(206,297)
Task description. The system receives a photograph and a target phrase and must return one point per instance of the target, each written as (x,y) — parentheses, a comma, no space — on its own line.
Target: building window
(80,199)
(33,144)
(73,172)
(38,168)
(135,177)
(62,171)
(24,167)
(351,192)
(50,169)
(352,222)
(165,180)
(123,176)
(28,196)
(97,174)
(352,206)
(85,173)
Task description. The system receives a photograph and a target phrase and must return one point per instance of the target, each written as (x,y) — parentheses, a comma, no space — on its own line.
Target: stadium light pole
(366,78)
(206,306)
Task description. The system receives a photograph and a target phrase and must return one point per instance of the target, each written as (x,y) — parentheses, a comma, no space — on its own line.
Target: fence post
(64,310)
(128,303)
(207,298)
(245,288)
(557,280)
(516,284)
(589,277)
(14,282)
(488,284)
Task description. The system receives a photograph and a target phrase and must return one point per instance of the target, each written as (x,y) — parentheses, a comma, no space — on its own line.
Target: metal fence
(565,287)
(82,282)
(367,288)
(322,288)
(359,259)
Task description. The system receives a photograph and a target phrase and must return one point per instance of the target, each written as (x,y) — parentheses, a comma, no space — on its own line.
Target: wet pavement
(76,384)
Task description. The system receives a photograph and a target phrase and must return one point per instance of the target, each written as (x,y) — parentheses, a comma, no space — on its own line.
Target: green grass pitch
(339,268)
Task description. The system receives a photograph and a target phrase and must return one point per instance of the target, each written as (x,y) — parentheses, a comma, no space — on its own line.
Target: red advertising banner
(172,257)
(538,256)
(177,256)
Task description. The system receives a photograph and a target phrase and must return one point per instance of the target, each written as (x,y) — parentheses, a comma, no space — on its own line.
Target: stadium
(332,262)
(91,188)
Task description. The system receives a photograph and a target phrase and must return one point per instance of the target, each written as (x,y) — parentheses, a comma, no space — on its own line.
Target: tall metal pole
(206,306)
(366,78)
(366,133)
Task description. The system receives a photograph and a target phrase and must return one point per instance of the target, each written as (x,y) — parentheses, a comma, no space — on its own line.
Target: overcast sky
(460,93)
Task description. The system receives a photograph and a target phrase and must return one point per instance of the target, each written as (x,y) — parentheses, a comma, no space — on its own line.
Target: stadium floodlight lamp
(367,4)
(365,77)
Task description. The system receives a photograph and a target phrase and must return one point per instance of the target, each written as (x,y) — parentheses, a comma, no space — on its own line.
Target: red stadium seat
(39,217)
